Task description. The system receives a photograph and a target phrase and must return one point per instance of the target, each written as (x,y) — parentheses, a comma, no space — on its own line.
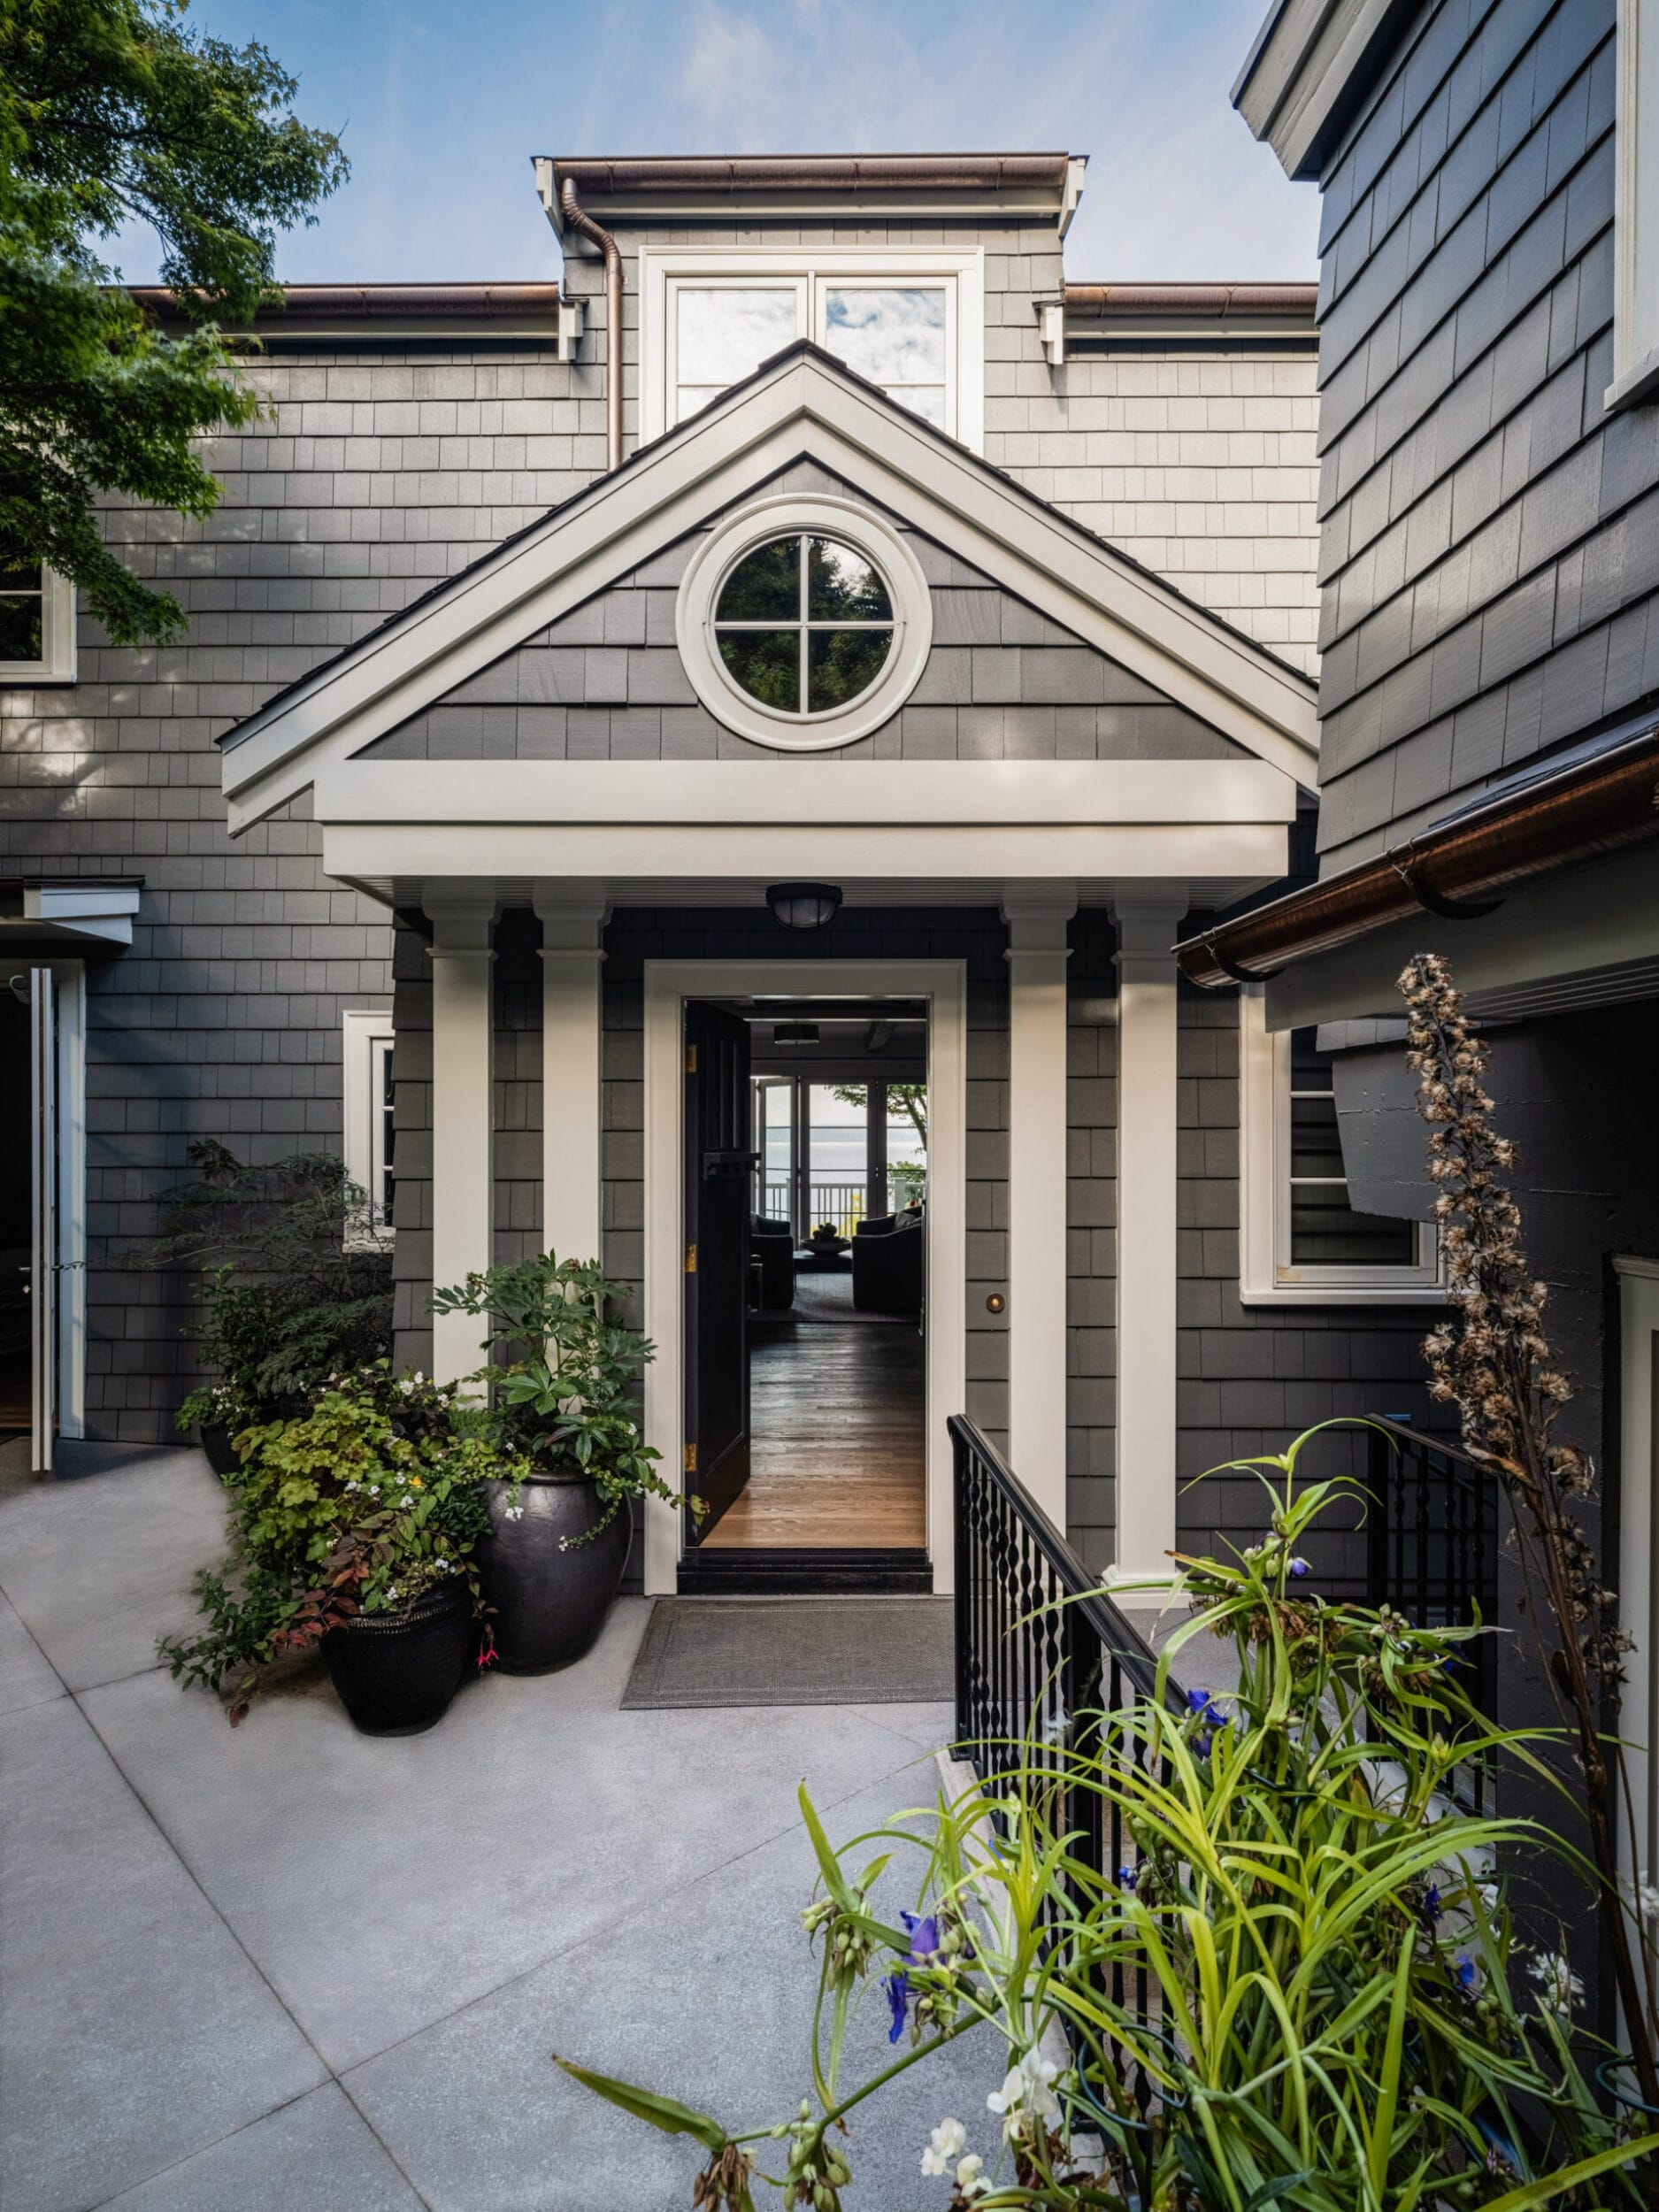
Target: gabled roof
(803,404)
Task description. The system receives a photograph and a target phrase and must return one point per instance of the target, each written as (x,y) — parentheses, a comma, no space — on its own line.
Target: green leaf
(1548,2186)
(662,2113)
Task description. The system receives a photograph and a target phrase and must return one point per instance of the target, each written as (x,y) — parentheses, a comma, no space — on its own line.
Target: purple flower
(924,1936)
(1465,1973)
(1202,1745)
(1431,1904)
(1300,1567)
(1128,1877)
(898,1993)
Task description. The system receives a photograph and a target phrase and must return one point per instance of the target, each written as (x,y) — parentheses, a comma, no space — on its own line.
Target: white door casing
(668,985)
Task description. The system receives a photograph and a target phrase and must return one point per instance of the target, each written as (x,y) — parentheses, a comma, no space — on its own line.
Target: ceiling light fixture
(794,1033)
(803,906)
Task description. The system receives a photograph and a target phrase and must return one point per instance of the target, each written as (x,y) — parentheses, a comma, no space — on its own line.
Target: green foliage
(367,1504)
(563,1374)
(1337,2020)
(908,1098)
(293,1292)
(112,111)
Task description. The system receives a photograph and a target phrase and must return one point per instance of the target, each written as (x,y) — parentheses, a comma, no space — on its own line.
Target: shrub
(370,1501)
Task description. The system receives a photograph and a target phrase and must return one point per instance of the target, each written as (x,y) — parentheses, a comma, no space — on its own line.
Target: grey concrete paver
(312,2156)
(704,1992)
(26,1676)
(133,2030)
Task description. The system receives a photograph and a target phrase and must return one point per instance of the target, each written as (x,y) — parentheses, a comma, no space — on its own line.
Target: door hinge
(691,1459)
(691,1259)
(691,1059)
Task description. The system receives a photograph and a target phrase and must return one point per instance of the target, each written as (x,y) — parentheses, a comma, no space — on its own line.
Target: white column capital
(1146,922)
(571,921)
(461,925)
(1037,915)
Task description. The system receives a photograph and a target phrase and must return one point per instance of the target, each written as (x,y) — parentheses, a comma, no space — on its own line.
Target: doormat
(702,1652)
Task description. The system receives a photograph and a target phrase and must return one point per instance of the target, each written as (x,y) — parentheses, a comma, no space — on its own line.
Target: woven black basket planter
(550,1602)
(397,1672)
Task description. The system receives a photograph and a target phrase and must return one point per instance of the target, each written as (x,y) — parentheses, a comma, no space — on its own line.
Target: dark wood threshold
(804,1571)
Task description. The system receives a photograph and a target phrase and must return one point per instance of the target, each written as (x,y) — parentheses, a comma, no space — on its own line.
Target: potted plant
(354,1530)
(295,1287)
(561,1375)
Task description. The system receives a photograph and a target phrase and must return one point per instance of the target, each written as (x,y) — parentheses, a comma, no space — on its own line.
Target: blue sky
(441,103)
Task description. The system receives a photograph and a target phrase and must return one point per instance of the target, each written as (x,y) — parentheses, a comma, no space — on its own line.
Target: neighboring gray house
(1489,628)
(477,767)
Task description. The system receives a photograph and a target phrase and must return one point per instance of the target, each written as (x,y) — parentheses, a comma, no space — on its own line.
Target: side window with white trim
(1302,1239)
(37,621)
(370,1134)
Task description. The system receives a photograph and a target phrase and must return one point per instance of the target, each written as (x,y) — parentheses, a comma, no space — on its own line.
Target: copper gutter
(603,177)
(371,302)
(579,218)
(1213,302)
(1457,870)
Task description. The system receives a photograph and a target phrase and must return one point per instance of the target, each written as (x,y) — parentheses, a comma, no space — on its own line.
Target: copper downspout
(1458,870)
(580,220)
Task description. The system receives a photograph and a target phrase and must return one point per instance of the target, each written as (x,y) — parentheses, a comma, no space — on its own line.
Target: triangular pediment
(803,406)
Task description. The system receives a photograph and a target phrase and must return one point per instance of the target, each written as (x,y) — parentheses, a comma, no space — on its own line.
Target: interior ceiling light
(794,1033)
(803,906)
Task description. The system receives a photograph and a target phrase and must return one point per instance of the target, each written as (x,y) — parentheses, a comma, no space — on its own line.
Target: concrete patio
(289,1967)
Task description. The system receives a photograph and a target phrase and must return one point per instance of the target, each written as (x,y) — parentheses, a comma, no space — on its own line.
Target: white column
(571,1032)
(1146,1182)
(462,1100)
(1036,958)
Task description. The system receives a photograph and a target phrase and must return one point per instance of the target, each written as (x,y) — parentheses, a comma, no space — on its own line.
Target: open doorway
(806,1183)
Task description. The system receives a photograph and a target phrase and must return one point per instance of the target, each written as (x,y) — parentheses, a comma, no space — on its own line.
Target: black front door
(719,1162)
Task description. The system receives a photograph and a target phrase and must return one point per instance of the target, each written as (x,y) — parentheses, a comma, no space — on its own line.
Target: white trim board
(804,407)
(1638,1282)
(668,985)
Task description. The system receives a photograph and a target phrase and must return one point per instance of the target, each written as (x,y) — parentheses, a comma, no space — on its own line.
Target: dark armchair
(772,1244)
(888,1255)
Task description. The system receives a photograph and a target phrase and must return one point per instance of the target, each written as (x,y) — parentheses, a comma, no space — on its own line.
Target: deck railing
(1034,1673)
(1432,1534)
(845,1203)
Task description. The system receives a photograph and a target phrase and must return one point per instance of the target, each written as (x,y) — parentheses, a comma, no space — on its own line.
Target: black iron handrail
(1433,1541)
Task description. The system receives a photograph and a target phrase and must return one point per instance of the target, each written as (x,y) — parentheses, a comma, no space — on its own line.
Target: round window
(803,622)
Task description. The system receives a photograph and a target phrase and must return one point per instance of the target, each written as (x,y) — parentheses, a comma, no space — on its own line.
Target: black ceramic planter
(397,1672)
(550,1603)
(221,1453)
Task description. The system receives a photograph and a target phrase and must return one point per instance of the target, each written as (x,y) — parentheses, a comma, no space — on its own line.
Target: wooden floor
(838,1428)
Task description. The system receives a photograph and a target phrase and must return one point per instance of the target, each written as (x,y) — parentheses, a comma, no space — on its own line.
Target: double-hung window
(37,622)
(1302,1240)
(911,325)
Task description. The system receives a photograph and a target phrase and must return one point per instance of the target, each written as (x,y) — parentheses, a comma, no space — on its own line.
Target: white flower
(420,1378)
(354,1486)
(405,1499)
(514,1512)
(1027,2095)
(1561,1987)
(969,2181)
(391,1596)
(947,2143)
(406,1386)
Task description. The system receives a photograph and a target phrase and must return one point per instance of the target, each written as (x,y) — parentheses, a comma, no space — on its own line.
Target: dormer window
(911,322)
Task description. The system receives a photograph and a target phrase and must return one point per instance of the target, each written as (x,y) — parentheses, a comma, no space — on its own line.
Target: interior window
(1325,1231)
(724,332)
(895,336)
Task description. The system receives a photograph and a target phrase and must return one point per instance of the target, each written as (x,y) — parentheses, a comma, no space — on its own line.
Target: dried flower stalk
(1492,1360)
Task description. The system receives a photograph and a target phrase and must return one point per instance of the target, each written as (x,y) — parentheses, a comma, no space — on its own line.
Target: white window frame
(738,536)
(1636,207)
(1266,1273)
(57,663)
(367,1039)
(662,270)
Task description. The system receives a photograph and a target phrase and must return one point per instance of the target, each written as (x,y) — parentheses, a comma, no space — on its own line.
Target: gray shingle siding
(1002,682)
(1490,535)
